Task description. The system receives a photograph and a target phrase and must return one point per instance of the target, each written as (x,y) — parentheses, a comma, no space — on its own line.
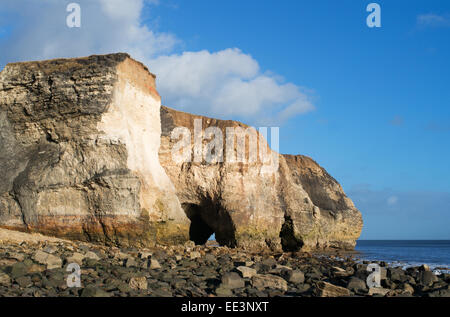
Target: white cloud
(433,20)
(392,200)
(224,83)
(107,26)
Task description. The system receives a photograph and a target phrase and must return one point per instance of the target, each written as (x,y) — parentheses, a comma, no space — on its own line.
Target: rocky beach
(93,202)
(33,265)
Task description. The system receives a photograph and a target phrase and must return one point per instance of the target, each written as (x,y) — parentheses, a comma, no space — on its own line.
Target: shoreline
(36,266)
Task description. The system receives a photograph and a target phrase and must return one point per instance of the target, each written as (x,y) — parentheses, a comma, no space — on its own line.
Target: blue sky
(371,105)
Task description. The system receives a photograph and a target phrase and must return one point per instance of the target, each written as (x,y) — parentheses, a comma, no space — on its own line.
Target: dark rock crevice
(289,242)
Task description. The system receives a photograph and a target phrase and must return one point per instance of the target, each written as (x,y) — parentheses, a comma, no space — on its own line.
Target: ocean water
(405,253)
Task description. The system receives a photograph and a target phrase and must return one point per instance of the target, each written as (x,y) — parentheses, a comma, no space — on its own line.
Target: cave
(289,242)
(199,231)
(208,218)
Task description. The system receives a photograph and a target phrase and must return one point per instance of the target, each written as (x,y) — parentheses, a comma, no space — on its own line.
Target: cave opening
(208,219)
(289,242)
(199,231)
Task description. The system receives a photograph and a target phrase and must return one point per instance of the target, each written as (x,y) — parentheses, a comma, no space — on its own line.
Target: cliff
(87,152)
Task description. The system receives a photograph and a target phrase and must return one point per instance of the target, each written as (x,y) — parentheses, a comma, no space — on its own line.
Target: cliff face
(79,152)
(297,205)
(87,152)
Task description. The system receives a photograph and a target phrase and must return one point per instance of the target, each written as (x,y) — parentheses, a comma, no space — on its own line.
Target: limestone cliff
(79,152)
(298,205)
(87,152)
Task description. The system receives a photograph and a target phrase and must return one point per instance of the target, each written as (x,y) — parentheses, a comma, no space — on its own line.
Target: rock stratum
(87,153)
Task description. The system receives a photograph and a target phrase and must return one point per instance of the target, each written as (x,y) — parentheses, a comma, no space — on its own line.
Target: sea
(406,253)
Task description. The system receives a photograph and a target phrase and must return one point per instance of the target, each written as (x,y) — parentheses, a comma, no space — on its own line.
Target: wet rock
(223,291)
(76,258)
(93,291)
(397,275)
(51,261)
(408,288)
(426,278)
(24,281)
(92,255)
(246,272)
(261,281)
(138,283)
(50,249)
(154,264)
(131,262)
(424,267)
(18,269)
(357,285)
(325,289)
(145,255)
(294,276)
(340,272)
(443,292)
(17,256)
(189,245)
(5,280)
(232,280)
(380,291)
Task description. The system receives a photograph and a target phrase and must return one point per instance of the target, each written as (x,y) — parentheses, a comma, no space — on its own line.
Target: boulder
(51,261)
(232,280)
(75,258)
(5,280)
(92,255)
(294,276)
(378,291)
(426,278)
(138,283)
(154,264)
(93,291)
(262,281)
(357,285)
(246,272)
(325,289)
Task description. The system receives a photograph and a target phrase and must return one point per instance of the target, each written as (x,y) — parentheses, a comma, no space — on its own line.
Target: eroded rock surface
(86,152)
(79,152)
(298,205)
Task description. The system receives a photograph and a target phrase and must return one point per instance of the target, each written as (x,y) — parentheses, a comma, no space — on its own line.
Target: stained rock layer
(87,152)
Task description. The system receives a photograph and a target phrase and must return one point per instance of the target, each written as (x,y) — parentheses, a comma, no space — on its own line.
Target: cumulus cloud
(40,30)
(392,200)
(433,20)
(224,83)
